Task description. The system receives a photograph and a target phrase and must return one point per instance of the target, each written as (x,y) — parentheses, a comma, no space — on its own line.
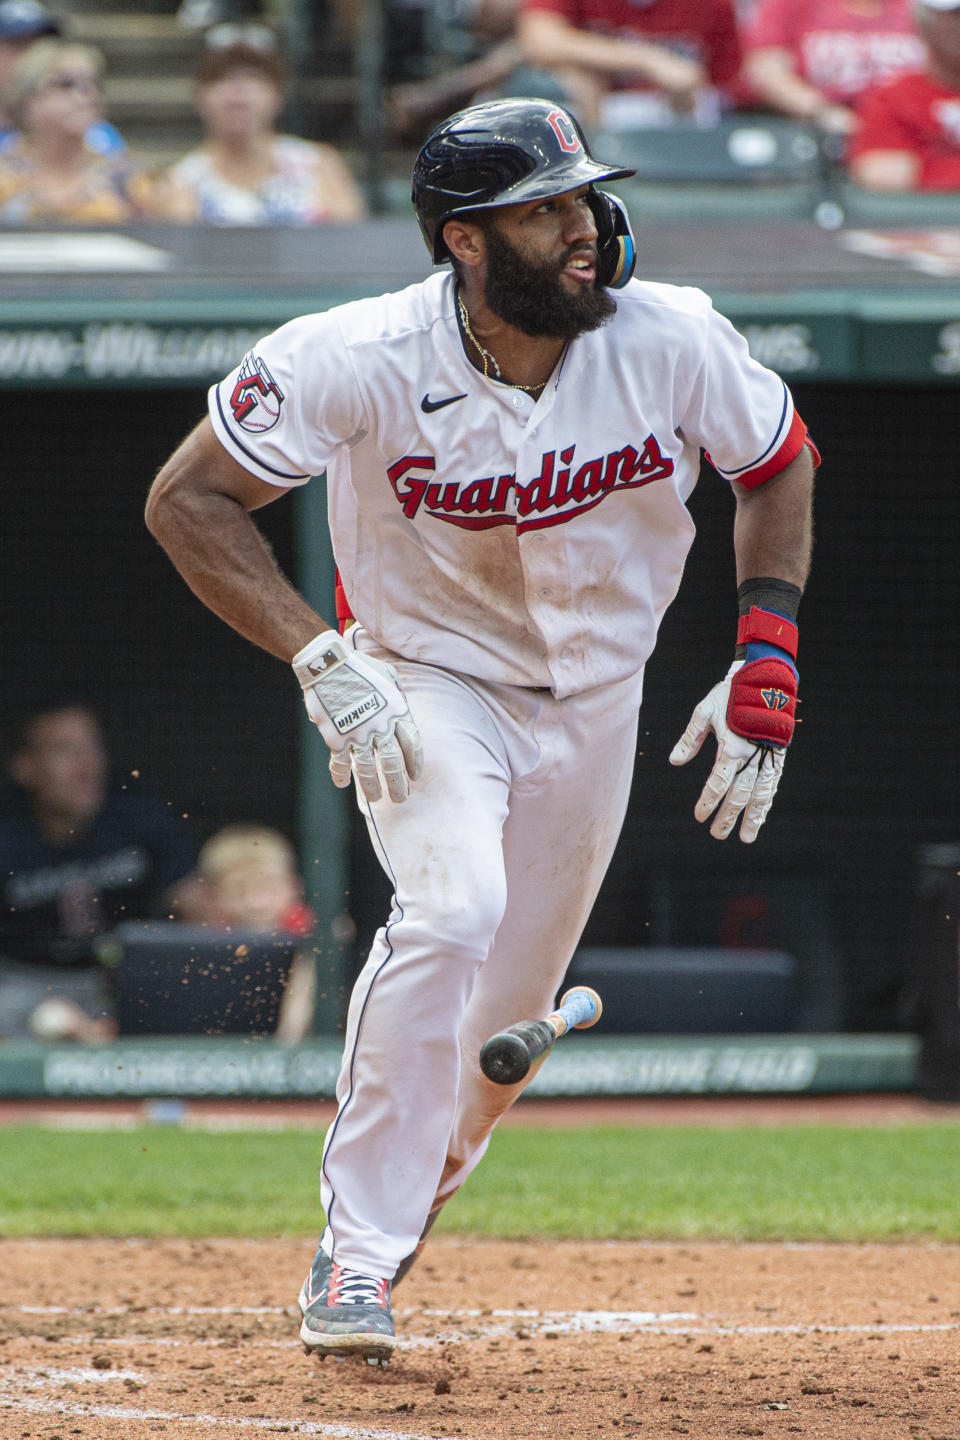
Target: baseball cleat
(407,1264)
(345,1313)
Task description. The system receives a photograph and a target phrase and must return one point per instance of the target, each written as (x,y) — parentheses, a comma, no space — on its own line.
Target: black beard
(528,294)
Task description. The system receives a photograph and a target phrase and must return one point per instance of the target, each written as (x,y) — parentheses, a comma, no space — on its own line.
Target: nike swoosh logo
(428,406)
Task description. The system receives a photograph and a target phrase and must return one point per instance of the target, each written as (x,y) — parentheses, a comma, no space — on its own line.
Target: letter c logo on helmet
(503,152)
(565,130)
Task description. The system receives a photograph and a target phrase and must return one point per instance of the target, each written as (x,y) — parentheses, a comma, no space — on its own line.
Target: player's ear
(465,241)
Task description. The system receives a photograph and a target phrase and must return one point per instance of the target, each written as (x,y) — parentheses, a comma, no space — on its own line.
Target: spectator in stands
(488,28)
(76,857)
(49,173)
(22,22)
(245,173)
(249,880)
(812,59)
(627,64)
(909,132)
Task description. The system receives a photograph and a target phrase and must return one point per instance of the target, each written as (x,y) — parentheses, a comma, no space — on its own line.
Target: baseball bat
(507,1056)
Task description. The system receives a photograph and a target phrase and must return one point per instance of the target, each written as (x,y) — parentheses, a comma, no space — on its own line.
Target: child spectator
(245,173)
(250,880)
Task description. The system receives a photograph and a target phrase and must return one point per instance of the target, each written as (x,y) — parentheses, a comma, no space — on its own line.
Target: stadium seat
(741,150)
(677,991)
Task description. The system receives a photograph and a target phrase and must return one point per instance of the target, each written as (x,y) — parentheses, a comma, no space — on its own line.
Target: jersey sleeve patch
(256,397)
(225,428)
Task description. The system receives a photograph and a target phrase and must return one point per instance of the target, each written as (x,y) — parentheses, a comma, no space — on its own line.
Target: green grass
(803,1183)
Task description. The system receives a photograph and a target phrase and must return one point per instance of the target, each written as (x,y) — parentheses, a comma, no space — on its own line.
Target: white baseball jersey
(524,542)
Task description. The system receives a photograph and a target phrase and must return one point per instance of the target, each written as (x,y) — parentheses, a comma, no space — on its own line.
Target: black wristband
(768,593)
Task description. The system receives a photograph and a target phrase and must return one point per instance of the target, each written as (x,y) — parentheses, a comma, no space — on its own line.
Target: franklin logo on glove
(350,719)
(351,694)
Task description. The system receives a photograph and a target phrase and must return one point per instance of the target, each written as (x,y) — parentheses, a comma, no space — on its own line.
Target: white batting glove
(357,705)
(746,771)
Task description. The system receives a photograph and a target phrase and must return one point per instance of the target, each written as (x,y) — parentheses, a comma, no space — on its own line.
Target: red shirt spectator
(812,59)
(673,46)
(705,32)
(915,122)
(909,134)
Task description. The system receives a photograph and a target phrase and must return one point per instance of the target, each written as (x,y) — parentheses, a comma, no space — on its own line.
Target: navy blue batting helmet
(502,152)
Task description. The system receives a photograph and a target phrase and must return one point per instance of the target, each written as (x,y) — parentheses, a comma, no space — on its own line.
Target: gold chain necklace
(487,358)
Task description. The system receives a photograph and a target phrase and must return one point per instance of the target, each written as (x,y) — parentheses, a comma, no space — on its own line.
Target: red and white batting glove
(356,703)
(751,711)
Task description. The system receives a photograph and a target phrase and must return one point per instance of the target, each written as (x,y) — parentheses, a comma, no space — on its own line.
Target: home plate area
(129,1339)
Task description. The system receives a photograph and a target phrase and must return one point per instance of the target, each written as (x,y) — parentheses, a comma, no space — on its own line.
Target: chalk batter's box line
(30,1406)
(501,1323)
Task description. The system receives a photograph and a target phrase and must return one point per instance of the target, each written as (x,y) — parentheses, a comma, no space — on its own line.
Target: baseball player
(509,448)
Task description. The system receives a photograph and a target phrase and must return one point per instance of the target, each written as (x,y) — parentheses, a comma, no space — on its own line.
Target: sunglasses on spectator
(66,81)
(257,37)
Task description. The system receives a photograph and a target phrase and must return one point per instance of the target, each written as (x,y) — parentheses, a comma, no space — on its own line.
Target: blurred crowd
(882,76)
(61,160)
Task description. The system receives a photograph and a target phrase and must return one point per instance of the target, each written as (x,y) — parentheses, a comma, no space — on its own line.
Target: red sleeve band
(794,442)
(772,629)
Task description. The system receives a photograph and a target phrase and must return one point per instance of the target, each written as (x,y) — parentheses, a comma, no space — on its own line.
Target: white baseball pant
(496,859)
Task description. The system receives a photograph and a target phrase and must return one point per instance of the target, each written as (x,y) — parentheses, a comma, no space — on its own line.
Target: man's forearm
(773,529)
(551,41)
(228,565)
(774,76)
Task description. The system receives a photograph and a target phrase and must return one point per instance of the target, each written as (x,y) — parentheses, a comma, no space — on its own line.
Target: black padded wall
(211,723)
(94,605)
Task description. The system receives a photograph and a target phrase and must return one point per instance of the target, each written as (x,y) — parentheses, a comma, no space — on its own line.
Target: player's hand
(357,705)
(750,712)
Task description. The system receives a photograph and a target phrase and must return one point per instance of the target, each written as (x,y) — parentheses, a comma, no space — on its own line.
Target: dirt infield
(130,1339)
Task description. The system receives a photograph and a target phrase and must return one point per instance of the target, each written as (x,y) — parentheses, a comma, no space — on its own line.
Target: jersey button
(518,402)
